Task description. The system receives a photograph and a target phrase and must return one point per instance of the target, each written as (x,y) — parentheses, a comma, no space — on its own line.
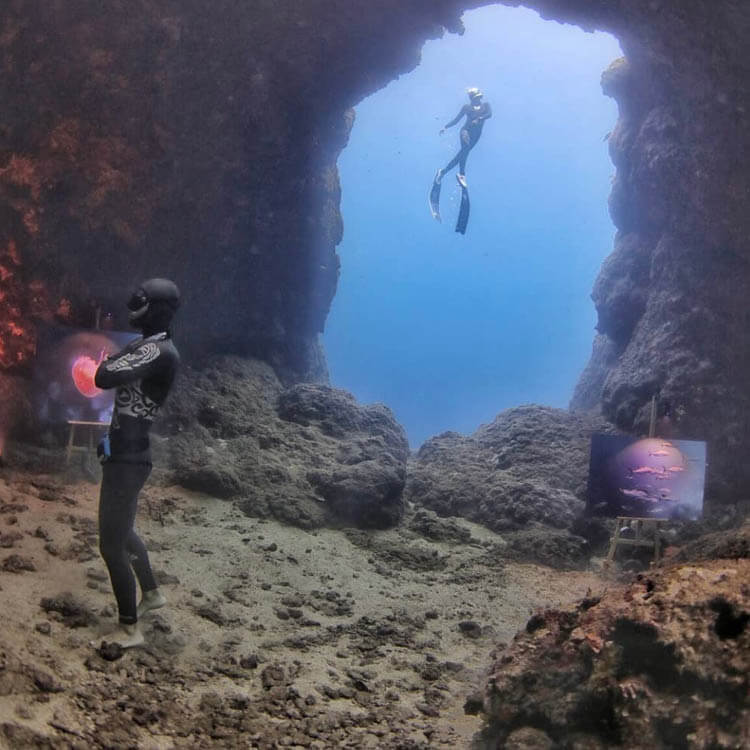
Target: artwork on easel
(64,369)
(646,478)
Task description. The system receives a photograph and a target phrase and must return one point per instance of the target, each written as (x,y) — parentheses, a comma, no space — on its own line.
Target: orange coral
(21,170)
(12,252)
(66,137)
(16,334)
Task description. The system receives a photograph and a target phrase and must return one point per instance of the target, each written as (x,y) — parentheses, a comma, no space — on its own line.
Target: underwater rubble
(328,630)
(274,635)
(662,662)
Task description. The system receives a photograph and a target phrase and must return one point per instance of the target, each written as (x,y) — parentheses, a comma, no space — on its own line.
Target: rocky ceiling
(199,141)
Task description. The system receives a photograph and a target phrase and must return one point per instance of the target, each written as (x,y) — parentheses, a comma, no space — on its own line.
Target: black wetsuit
(475,115)
(142,373)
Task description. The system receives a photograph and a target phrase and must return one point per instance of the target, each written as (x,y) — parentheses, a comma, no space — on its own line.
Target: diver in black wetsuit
(476,112)
(142,374)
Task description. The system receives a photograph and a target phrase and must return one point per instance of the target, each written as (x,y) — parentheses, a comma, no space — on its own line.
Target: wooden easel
(91,428)
(639,524)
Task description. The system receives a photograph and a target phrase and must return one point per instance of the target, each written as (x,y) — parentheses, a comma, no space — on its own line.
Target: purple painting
(646,477)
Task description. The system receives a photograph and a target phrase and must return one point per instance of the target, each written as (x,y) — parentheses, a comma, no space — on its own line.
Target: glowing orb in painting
(83,371)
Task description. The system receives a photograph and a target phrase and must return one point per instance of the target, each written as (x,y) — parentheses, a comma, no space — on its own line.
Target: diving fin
(463,213)
(435,196)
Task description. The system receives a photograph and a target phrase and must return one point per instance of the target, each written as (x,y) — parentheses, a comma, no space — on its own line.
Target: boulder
(529,465)
(308,455)
(525,472)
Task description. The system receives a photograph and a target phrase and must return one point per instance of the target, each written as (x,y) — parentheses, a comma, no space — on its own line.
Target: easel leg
(657,544)
(69,449)
(613,542)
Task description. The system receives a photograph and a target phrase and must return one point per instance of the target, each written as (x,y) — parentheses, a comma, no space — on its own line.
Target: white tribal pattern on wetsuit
(130,400)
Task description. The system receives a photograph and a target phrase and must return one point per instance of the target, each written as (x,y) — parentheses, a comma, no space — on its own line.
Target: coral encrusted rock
(660,663)
(308,455)
(525,471)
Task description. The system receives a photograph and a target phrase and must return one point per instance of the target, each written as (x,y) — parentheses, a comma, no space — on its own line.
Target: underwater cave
(325,585)
(222,175)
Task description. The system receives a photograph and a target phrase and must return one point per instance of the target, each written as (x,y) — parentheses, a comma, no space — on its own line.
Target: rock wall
(199,141)
(671,297)
(191,140)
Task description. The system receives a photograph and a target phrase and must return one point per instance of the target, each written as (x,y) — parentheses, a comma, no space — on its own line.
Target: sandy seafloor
(303,639)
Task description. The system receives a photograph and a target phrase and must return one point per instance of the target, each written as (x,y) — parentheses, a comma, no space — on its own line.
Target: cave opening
(449,330)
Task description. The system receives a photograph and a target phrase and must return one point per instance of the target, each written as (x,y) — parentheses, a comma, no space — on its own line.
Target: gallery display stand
(639,525)
(91,429)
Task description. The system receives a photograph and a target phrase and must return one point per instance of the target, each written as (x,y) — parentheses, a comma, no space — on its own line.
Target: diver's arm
(487,111)
(461,113)
(145,361)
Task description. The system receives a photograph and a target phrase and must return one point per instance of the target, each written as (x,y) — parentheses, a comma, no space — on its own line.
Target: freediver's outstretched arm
(460,114)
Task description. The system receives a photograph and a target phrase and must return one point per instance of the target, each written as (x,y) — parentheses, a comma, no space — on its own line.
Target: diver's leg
(138,557)
(121,484)
(152,598)
(140,562)
(137,549)
(452,163)
(460,157)
(461,176)
(469,143)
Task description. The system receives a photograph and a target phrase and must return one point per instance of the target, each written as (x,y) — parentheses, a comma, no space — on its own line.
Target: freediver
(142,374)
(476,112)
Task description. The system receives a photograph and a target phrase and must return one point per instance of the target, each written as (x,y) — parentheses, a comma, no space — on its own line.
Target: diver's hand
(442,130)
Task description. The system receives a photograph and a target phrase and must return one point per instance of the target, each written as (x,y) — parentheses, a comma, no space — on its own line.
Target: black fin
(463,214)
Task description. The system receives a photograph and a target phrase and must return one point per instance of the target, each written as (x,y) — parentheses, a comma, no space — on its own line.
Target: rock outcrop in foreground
(661,663)
(523,475)
(308,455)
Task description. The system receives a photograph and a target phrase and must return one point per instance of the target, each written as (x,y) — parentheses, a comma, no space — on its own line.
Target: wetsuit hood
(153,305)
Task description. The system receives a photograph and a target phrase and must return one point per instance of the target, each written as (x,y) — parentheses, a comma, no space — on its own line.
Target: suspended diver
(476,112)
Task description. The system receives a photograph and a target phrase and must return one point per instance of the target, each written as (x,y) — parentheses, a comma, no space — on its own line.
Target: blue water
(449,330)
